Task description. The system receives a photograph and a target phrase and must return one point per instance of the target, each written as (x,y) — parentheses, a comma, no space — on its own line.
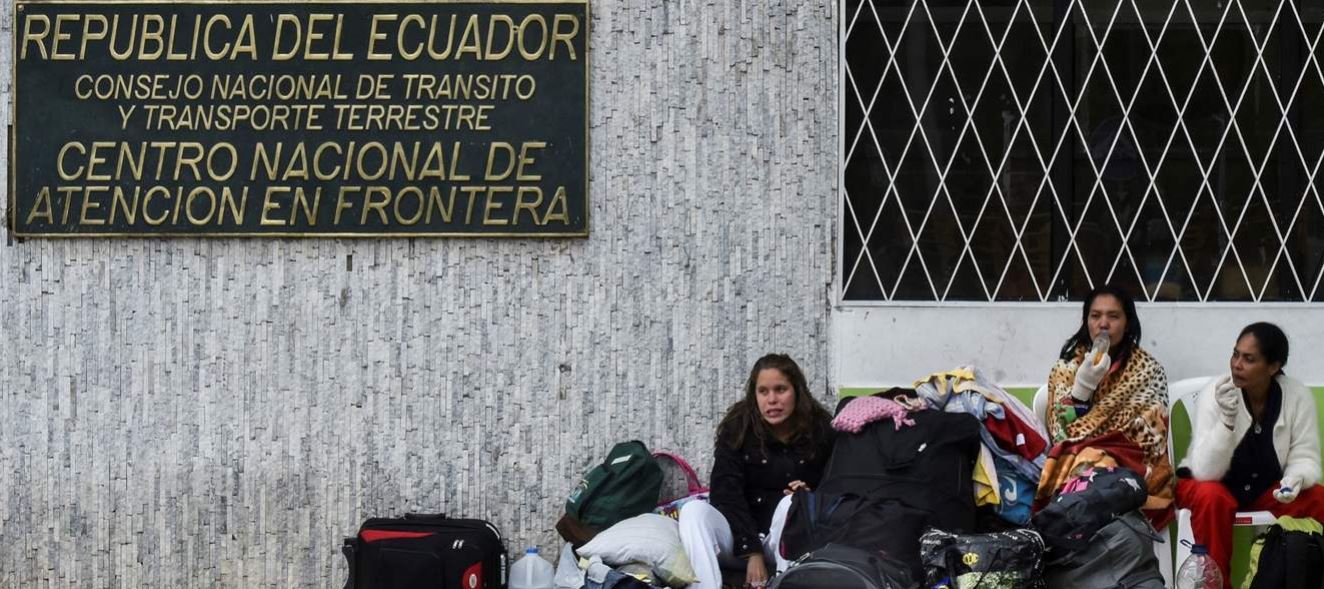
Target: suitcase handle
(425,516)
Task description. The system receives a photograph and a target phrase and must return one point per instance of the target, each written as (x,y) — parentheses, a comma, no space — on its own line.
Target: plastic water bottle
(1100,347)
(531,572)
(1199,571)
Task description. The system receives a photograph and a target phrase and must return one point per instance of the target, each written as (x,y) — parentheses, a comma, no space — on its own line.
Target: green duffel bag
(626,484)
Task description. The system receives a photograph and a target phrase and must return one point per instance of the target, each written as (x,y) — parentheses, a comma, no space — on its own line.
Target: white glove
(1287,490)
(1228,397)
(1089,375)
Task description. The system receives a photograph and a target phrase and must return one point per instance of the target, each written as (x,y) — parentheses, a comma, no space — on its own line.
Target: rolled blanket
(865,410)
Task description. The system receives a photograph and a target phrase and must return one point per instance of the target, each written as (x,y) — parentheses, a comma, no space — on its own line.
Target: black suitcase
(431,551)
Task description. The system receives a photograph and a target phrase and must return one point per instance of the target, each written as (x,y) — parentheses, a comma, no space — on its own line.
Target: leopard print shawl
(1132,401)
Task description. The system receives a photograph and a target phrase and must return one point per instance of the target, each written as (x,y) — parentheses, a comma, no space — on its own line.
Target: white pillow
(649,538)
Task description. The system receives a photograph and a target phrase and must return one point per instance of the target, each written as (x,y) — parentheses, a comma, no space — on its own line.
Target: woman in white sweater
(1257,445)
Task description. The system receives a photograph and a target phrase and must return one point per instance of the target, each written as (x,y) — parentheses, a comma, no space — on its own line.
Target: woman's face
(1249,368)
(775,395)
(1106,313)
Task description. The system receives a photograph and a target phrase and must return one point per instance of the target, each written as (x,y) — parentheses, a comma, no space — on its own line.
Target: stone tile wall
(219,413)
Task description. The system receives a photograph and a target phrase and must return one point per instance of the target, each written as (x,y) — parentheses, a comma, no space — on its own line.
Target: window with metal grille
(1028,150)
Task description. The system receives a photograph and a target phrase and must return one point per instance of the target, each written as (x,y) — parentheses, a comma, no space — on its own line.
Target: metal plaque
(300,119)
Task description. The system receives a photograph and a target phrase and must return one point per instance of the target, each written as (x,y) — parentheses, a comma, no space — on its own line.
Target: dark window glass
(1026,150)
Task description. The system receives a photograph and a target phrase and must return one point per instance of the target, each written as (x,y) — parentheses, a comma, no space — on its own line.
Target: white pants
(708,543)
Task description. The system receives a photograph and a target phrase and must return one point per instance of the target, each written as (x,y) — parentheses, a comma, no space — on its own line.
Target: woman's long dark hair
(1130,337)
(1271,341)
(743,418)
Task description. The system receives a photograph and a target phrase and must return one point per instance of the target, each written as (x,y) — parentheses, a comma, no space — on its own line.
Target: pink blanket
(865,410)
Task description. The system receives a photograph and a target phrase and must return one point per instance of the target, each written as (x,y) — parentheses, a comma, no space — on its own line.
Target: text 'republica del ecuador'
(371,118)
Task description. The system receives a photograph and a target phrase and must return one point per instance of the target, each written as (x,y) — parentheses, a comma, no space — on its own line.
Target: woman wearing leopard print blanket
(1109,407)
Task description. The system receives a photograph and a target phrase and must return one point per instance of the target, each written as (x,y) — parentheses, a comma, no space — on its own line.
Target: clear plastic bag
(568,573)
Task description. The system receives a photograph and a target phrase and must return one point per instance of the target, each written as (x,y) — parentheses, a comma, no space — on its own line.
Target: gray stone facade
(220,413)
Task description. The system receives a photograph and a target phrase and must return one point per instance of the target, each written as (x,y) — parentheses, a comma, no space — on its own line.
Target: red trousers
(1213,509)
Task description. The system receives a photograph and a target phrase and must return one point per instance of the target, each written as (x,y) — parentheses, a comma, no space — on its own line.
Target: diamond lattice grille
(1028,150)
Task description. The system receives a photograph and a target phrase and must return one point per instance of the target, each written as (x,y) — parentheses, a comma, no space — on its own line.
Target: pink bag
(672,501)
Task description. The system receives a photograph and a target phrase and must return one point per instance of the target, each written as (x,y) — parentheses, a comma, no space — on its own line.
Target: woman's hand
(1228,397)
(1088,377)
(795,486)
(756,573)
(1287,490)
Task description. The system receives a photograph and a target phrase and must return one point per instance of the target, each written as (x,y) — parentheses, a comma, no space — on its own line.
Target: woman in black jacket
(775,440)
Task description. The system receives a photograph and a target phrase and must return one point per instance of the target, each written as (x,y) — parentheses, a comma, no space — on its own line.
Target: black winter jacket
(747,482)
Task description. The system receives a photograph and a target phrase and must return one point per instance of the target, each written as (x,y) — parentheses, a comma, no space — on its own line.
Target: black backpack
(844,567)
(1288,559)
(817,520)
(1121,554)
(883,487)
(425,551)
(1087,504)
